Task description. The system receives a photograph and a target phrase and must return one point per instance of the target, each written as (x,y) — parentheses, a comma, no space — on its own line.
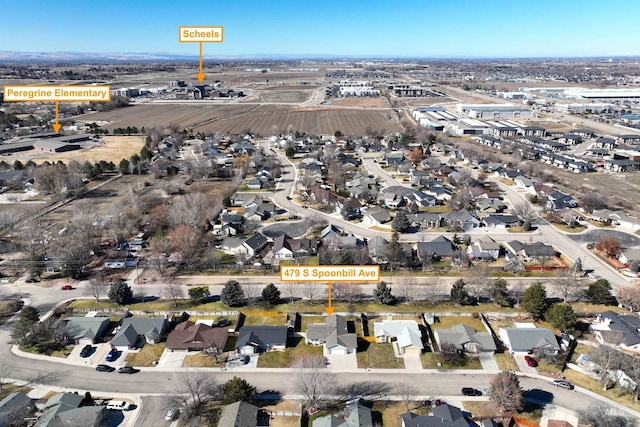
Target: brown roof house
(197,336)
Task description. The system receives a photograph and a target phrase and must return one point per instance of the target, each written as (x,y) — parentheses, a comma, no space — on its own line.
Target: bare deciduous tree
(629,296)
(292,290)
(407,289)
(505,392)
(194,389)
(600,415)
(480,281)
(97,287)
(160,249)
(568,285)
(186,242)
(193,210)
(406,391)
(309,378)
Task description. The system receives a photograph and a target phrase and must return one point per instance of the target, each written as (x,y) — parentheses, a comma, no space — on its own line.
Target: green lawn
(506,362)
(202,360)
(378,356)
(550,368)
(282,359)
(252,320)
(430,361)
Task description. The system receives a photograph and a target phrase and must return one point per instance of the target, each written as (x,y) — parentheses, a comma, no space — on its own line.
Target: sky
(361,28)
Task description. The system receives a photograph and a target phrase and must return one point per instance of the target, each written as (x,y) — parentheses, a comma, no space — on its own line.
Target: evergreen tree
(562,316)
(123,167)
(382,294)
(346,211)
(395,252)
(233,295)
(400,223)
(600,293)
(28,317)
(237,389)
(198,294)
(121,293)
(535,301)
(459,294)
(271,294)
(499,293)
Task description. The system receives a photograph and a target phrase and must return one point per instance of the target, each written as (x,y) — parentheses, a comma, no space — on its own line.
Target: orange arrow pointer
(200,75)
(329,308)
(56,125)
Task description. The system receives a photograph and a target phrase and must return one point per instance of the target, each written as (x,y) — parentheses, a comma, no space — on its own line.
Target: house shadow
(293,341)
(268,398)
(537,396)
(363,345)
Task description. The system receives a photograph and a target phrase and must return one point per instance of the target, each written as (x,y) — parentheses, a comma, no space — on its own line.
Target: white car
(118,405)
(172,414)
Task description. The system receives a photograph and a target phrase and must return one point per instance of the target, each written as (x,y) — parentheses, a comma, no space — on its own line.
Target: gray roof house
(63,409)
(443,415)
(403,333)
(136,331)
(84,330)
(440,247)
(466,339)
(353,416)
(256,339)
(622,330)
(14,405)
(239,414)
(333,334)
(525,340)
(254,244)
(376,215)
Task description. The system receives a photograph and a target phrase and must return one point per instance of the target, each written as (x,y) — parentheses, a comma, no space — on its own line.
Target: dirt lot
(260,119)
(361,102)
(286,96)
(110,148)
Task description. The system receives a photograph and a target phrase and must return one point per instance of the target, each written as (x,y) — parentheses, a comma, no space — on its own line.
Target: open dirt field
(163,115)
(260,119)
(110,148)
(286,96)
(361,102)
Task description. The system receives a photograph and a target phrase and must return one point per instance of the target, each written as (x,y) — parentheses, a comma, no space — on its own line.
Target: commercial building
(494,111)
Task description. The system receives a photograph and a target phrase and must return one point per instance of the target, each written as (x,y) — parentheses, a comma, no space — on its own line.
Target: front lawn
(506,362)
(202,360)
(377,356)
(615,394)
(282,359)
(431,360)
(148,356)
(265,320)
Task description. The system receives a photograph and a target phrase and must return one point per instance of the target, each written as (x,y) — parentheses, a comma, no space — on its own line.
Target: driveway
(171,359)
(488,362)
(342,361)
(412,361)
(522,364)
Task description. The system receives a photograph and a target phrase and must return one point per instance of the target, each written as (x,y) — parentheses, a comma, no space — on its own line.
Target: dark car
(112,355)
(531,361)
(105,368)
(127,370)
(86,350)
(468,391)
(32,280)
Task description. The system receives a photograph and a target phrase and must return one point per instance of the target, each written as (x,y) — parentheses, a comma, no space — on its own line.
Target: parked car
(468,391)
(104,368)
(32,280)
(112,355)
(245,359)
(531,361)
(118,405)
(172,414)
(67,288)
(127,370)
(563,384)
(86,350)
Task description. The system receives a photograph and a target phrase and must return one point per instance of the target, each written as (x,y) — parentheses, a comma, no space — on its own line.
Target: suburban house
(353,416)
(64,409)
(84,330)
(466,339)
(14,408)
(485,248)
(254,244)
(530,252)
(628,255)
(192,336)
(239,414)
(376,215)
(501,221)
(529,340)
(623,330)
(333,334)
(461,220)
(134,332)
(258,339)
(426,220)
(439,248)
(287,248)
(443,415)
(405,334)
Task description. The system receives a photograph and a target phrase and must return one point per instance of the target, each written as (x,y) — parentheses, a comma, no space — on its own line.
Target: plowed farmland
(259,119)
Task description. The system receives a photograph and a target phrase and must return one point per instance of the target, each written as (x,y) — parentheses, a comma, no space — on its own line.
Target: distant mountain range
(12,56)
